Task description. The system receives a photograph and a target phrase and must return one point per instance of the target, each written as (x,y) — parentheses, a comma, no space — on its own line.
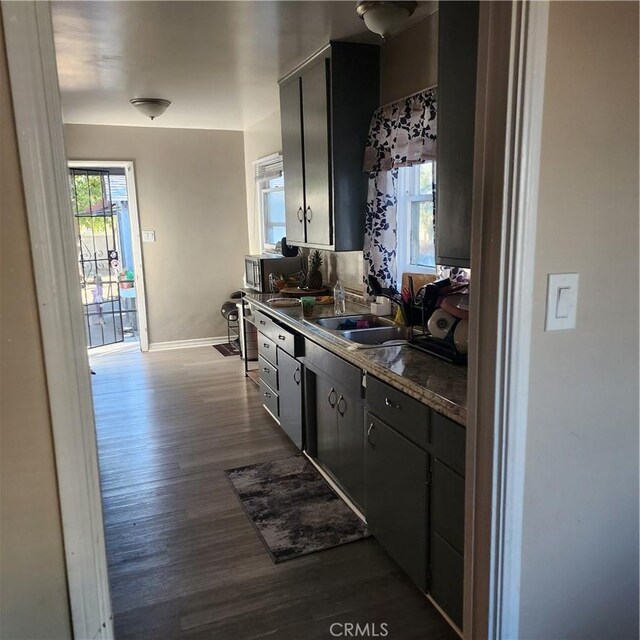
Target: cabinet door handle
(262,322)
(369,430)
(300,214)
(265,345)
(281,337)
(266,370)
(296,376)
(267,394)
(391,403)
(308,214)
(341,399)
(334,394)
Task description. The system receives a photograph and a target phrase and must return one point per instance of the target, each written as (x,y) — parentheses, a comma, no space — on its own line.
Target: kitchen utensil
(440,323)
(461,336)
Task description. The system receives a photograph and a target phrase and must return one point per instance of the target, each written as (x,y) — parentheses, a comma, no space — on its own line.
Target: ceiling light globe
(385,18)
(151,107)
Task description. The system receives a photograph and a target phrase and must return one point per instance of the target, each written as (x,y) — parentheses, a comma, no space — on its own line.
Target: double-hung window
(270,201)
(415,214)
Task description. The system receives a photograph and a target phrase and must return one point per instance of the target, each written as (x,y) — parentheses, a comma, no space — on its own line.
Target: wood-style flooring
(184,560)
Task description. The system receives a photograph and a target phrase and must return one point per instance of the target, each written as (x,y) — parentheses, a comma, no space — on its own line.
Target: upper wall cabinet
(457,61)
(326,106)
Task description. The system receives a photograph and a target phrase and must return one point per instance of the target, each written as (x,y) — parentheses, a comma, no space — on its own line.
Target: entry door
(96,225)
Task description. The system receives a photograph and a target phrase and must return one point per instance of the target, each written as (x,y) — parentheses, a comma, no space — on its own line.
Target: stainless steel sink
(334,323)
(377,336)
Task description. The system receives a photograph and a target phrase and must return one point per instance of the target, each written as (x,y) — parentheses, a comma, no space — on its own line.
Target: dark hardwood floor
(184,560)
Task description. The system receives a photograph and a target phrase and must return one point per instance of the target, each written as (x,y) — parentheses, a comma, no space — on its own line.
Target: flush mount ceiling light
(151,107)
(383,17)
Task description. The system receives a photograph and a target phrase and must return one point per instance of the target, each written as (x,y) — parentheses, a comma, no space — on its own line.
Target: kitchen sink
(335,322)
(377,336)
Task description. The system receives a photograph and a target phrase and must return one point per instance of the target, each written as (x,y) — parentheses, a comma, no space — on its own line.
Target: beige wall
(580,547)
(33,602)
(408,63)
(260,140)
(191,191)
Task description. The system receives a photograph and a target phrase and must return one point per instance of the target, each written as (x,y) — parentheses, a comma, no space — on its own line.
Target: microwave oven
(258,268)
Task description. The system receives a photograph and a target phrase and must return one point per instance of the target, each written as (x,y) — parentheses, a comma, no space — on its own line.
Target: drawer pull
(391,403)
(296,376)
(262,322)
(265,345)
(266,370)
(281,337)
(267,394)
(334,394)
(369,430)
(341,399)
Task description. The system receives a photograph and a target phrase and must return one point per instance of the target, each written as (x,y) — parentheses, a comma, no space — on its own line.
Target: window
(416,206)
(270,201)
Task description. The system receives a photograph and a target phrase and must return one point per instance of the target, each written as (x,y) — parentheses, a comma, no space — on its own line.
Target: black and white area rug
(293,508)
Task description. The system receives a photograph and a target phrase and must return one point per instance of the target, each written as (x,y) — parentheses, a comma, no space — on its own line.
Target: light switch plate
(148,236)
(562,301)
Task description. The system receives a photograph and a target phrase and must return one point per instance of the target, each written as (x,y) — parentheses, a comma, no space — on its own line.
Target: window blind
(268,167)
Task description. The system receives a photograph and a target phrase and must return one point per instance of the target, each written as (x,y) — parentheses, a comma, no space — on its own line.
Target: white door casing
(136,240)
(36,100)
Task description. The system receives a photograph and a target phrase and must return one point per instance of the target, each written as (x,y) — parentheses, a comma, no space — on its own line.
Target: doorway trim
(36,103)
(136,237)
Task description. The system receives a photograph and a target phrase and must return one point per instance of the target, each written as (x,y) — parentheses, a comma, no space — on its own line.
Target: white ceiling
(218,62)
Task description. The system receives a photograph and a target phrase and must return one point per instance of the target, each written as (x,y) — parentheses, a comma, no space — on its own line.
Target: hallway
(184,561)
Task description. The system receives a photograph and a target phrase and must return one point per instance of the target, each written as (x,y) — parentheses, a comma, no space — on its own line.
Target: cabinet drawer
(410,417)
(447,505)
(448,442)
(347,377)
(285,339)
(447,576)
(267,348)
(269,398)
(268,373)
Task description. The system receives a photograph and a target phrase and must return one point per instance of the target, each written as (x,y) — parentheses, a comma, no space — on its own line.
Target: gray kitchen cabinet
(339,430)
(326,106)
(290,396)
(446,517)
(326,397)
(317,211)
(396,497)
(291,109)
(457,60)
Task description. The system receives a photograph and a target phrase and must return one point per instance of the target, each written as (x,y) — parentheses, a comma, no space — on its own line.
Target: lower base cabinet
(290,396)
(340,435)
(396,497)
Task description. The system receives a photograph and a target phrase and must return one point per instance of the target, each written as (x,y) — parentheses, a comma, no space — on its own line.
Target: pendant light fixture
(386,18)
(151,107)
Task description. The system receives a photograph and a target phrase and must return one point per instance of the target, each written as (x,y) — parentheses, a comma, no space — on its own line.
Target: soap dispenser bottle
(339,299)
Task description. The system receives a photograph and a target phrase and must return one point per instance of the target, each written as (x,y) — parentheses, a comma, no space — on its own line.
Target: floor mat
(293,508)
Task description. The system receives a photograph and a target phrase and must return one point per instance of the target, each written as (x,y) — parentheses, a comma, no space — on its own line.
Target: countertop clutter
(438,384)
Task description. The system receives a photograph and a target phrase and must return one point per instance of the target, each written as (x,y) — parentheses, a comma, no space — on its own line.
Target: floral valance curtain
(400,135)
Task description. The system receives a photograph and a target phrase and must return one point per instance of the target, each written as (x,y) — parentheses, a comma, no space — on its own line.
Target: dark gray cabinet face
(447,578)
(326,398)
(292,155)
(350,416)
(316,153)
(290,392)
(396,497)
(447,505)
(457,59)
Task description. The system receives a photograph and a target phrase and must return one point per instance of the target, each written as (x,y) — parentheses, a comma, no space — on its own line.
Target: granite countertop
(436,383)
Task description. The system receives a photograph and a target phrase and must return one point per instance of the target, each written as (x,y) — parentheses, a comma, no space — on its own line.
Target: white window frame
(266,247)
(266,169)
(407,195)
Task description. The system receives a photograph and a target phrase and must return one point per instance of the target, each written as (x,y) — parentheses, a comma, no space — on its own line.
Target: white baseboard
(185,344)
